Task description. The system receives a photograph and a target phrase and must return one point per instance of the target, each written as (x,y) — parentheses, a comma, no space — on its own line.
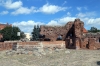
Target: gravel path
(60,58)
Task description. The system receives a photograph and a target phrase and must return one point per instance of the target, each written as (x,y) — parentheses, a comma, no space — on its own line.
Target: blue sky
(27,13)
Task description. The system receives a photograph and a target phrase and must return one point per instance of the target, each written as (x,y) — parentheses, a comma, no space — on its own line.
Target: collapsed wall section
(53,32)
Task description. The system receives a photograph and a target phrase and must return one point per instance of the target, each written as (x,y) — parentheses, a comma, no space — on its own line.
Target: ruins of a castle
(73,33)
(72,36)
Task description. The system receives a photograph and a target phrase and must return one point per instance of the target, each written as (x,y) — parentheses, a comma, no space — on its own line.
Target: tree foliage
(10,33)
(36,33)
(94,30)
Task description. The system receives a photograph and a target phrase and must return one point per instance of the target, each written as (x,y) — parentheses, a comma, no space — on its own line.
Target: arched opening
(59,37)
(87,46)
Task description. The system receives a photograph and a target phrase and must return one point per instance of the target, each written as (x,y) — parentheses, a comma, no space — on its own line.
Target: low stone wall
(97,46)
(30,45)
(84,43)
(6,45)
(15,45)
(37,44)
(27,45)
(93,44)
(53,43)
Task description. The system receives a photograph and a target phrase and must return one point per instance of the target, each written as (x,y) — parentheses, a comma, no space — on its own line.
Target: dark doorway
(59,38)
(87,46)
(99,39)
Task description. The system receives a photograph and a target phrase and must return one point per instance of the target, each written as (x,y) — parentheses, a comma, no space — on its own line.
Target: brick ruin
(6,45)
(71,28)
(73,36)
(73,33)
(18,45)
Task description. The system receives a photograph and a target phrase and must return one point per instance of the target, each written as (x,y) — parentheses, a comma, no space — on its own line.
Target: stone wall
(52,44)
(6,45)
(78,28)
(52,32)
(31,45)
(74,28)
(27,45)
(85,43)
(93,44)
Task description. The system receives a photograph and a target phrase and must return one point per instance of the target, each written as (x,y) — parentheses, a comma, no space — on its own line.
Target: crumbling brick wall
(6,46)
(52,32)
(78,33)
(84,43)
(78,28)
(72,30)
(93,44)
(37,44)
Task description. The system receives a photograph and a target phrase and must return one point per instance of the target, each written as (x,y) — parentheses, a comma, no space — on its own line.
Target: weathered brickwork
(71,28)
(74,34)
(52,32)
(31,45)
(6,46)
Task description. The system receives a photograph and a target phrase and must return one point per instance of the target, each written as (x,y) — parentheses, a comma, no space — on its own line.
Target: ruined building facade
(73,33)
(72,29)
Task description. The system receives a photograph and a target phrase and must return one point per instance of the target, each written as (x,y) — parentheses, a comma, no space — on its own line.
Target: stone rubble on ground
(35,51)
(67,51)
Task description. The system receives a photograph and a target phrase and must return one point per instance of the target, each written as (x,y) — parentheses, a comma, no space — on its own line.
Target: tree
(94,30)
(22,35)
(10,33)
(36,33)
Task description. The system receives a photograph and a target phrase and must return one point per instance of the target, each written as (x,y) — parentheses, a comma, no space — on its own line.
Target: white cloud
(64,2)
(51,9)
(79,8)
(27,26)
(93,21)
(80,15)
(53,23)
(61,21)
(64,20)
(87,14)
(18,7)
(23,10)
(47,9)
(4,12)
(68,14)
(11,5)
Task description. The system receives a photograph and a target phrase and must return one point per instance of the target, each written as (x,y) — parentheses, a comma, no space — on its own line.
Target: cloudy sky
(27,13)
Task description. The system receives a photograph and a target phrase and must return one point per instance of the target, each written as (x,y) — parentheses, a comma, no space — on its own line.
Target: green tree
(94,30)
(36,33)
(22,35)
(10,33)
